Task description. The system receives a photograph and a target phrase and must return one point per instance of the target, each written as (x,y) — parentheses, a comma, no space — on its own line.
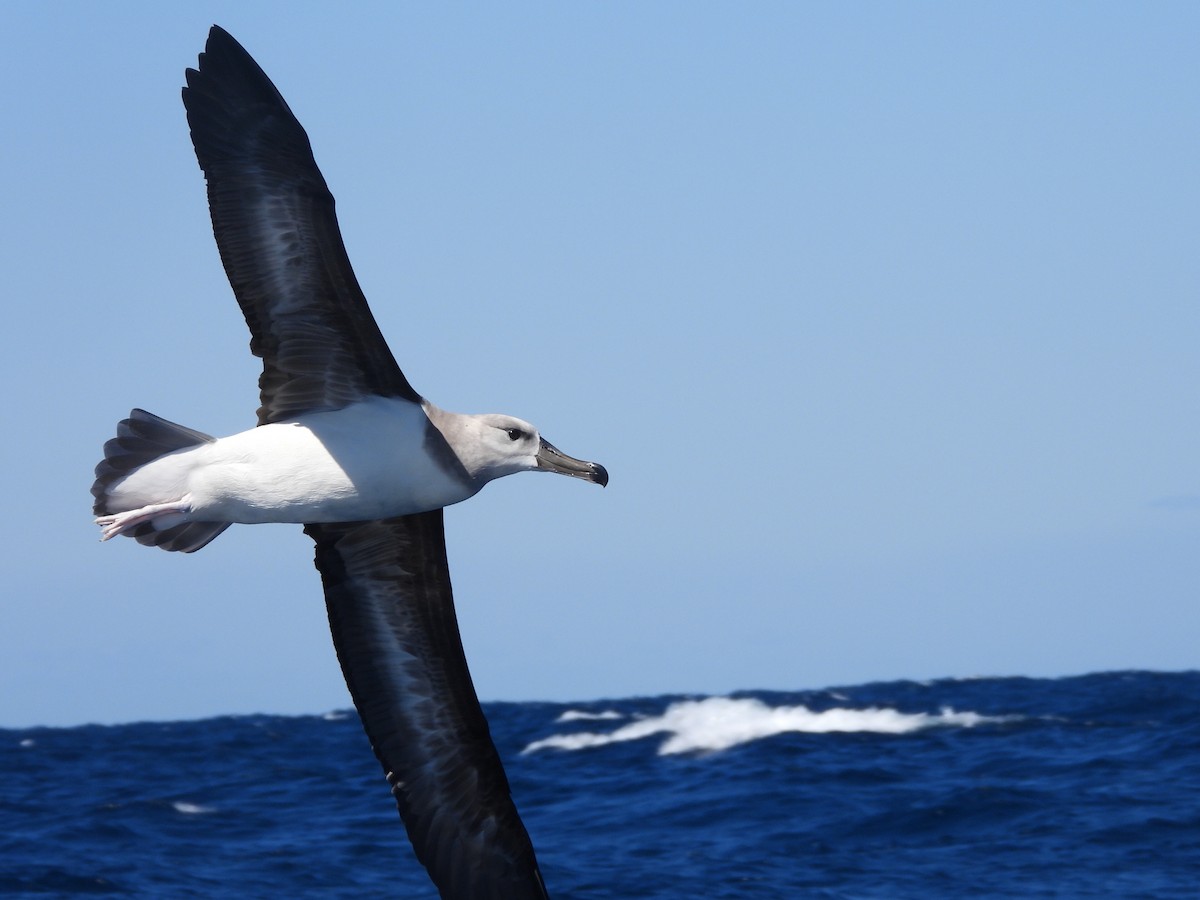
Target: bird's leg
(121,522)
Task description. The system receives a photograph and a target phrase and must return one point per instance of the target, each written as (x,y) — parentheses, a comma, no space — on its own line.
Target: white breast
(366,461)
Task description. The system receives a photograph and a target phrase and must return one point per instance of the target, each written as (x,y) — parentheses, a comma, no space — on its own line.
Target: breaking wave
(718,723)
(579,715)
(191,809)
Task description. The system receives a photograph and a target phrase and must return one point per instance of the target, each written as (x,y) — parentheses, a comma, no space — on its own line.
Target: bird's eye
(514,434)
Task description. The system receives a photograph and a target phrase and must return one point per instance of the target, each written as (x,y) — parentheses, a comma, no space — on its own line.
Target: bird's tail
(142,438)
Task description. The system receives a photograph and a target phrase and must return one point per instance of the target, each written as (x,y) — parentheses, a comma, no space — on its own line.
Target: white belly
(367,461)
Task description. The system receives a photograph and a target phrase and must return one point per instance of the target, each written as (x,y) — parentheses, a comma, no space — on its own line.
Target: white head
(491,446)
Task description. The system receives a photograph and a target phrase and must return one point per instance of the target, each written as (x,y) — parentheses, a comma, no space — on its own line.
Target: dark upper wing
(275,226)
(387,587)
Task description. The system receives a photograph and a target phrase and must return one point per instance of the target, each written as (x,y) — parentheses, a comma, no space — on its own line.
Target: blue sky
(883,318)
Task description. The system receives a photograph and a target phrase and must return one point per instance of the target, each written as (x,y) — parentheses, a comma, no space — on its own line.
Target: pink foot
(119,523)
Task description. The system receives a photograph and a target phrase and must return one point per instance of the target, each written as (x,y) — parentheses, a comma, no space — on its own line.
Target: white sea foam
(191,809)
(579,715)
(28,742)
(718,723)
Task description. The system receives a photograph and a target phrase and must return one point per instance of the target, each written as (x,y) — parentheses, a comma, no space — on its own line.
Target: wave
(191,809)
(719,723)
(579,715)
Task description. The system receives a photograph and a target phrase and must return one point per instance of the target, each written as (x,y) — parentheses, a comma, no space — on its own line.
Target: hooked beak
(551,459)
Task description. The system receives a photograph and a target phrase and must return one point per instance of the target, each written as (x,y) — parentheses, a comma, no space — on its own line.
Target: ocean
(993,787)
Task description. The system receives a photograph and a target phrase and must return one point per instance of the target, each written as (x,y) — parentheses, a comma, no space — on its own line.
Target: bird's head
(503,445)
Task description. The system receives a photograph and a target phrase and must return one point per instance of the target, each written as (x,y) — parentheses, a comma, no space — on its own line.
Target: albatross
(346,447)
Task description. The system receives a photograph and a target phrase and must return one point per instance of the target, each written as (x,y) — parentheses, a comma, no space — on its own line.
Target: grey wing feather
(387,588)
(274,222)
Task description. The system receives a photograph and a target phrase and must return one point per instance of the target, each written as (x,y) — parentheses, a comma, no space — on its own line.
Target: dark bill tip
(600,475)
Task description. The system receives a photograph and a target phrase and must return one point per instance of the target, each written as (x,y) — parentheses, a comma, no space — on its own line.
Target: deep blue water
(1000,787)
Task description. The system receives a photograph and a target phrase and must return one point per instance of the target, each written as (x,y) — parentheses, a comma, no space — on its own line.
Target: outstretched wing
(273,218)
(387,587)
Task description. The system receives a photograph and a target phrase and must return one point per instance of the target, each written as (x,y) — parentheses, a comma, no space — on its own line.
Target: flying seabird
(345,446)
